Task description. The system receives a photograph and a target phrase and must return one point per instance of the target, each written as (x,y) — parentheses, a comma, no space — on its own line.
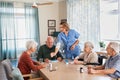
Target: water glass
(41,60)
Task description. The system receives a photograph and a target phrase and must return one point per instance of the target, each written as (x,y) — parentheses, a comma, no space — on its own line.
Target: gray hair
(115,46)
(31,44)
(50,37)
(89,44)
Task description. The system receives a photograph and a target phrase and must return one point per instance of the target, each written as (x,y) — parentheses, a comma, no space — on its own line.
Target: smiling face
(49,42)
(87,49)
(62,28)
(33,49)
(88,46)
(109,50)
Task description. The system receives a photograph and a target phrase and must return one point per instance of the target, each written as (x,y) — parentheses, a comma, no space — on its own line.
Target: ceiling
(31,1)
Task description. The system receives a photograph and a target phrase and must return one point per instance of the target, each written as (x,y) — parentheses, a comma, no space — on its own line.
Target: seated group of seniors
(111,66)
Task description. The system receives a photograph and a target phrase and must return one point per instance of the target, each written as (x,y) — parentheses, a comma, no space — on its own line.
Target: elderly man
(46,49)
(112,65)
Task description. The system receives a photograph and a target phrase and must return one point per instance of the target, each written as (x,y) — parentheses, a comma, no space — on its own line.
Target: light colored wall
(46,13)
(56,11)
(62,10)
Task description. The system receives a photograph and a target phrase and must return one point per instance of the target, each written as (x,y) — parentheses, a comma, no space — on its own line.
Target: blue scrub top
(68,41)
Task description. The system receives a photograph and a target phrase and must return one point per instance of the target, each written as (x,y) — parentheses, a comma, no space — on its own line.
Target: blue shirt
(69,40)
(114,62)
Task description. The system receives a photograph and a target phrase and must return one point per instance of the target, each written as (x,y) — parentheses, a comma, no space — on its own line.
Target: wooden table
(70,72)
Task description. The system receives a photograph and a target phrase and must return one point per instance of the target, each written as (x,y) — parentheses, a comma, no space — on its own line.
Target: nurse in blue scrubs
(69,38)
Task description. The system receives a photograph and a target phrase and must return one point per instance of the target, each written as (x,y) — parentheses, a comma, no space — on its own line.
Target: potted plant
(102,45)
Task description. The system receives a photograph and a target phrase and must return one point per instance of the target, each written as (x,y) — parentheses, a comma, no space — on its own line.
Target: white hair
(115,46)
(89,44)
(31,44)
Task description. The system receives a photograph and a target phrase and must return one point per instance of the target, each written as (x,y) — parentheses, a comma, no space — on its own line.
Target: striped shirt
(114,62)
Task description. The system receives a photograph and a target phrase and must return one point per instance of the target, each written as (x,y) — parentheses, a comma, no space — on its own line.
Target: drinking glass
(41,60)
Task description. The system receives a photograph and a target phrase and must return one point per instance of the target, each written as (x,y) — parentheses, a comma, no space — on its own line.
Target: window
(17,25)
(109,14)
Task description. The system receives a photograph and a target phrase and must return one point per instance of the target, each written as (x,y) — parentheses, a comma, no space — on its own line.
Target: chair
(15,74)
(2,73)
(88,63)
(100,59)
(92,64)
(8,68)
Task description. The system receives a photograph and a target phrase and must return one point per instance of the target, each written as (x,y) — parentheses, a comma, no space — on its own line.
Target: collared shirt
(44,52)
(114,62)
(69,40)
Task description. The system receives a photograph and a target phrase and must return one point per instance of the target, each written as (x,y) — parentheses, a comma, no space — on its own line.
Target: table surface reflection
(70,72)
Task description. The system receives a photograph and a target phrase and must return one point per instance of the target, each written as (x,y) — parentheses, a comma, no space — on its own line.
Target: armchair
(15,74)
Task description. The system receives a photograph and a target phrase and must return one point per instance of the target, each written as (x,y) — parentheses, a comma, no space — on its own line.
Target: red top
(26,64)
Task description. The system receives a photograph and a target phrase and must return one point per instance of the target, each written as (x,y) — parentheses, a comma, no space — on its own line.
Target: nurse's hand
(52,54)
(72,47)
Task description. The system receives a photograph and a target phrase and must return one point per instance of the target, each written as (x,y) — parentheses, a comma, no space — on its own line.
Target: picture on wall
(51,23)
(51,31)
(63,20)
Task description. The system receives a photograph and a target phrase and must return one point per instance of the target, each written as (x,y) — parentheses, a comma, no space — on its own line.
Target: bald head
(50,38)
(49,41)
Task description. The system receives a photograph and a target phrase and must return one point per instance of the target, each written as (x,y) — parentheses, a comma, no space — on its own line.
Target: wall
(56,11)
(62,10)
(46,13)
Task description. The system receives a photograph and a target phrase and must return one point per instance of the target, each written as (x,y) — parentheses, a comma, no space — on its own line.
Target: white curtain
(119,18)
(84,16)
(17,25)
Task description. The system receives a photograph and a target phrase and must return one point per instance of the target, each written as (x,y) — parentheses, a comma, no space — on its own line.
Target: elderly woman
(112,65)
(26,64)
(88,55)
